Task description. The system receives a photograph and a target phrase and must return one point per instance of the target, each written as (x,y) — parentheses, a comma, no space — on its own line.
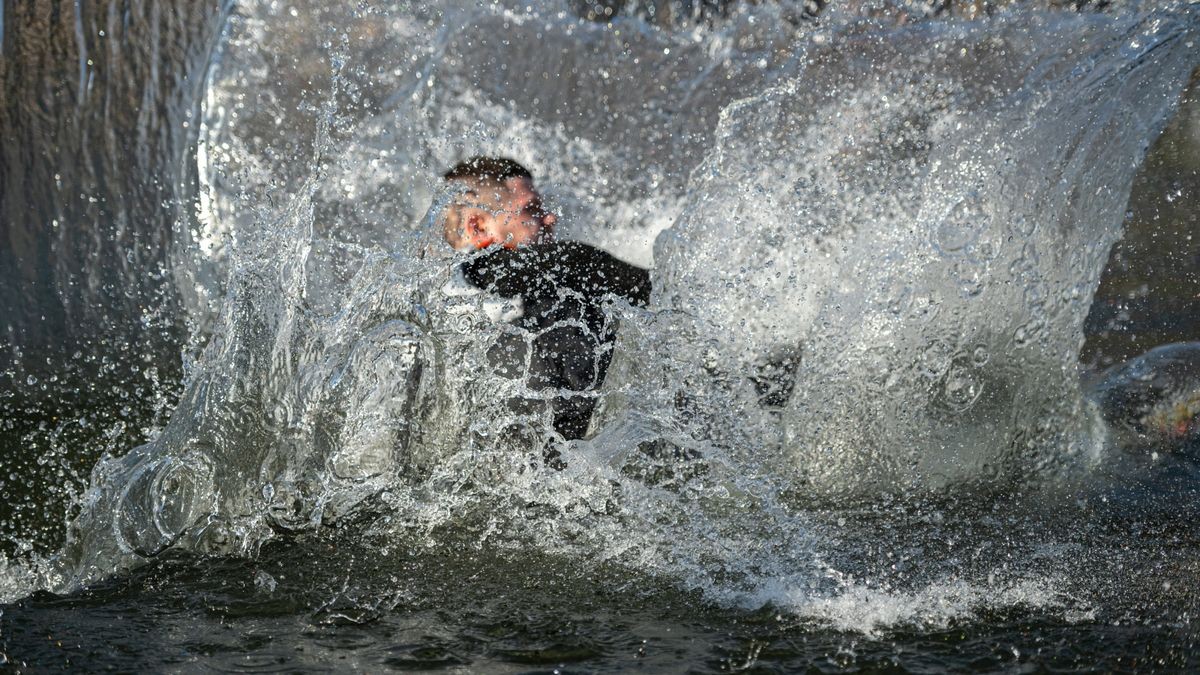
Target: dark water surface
(322,604)
(353,598)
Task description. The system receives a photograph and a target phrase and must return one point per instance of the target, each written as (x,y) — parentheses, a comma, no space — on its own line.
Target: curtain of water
(928,237)
(98,115)
(94,203)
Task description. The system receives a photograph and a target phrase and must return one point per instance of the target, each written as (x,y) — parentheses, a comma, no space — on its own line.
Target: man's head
(498,206)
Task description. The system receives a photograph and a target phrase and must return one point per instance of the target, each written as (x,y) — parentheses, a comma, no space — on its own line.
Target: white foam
(863,608)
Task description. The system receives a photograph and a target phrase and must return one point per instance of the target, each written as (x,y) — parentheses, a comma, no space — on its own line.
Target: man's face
(509,213)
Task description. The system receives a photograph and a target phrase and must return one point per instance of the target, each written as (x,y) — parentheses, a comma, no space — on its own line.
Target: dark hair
(489,169)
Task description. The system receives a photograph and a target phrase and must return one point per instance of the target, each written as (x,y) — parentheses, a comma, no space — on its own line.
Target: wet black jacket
(562,286)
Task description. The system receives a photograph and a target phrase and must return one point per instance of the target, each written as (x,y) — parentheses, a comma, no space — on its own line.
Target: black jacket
(562,287)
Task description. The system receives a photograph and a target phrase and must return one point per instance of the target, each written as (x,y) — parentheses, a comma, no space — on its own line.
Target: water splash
(884,241)
(928,247)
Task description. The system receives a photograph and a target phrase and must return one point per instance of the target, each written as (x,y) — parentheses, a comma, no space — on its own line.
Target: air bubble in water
(980,356)
(962,226)
(961,390)
(1023,226)
(900,301)
(970,278)
(935,359)
(265,582)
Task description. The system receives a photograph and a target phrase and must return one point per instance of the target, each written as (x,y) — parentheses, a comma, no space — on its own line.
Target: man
(556,289)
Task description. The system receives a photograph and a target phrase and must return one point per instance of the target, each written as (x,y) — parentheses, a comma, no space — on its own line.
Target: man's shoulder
(553,250)
(543,258)
(579,253)
(598,271)
(547,266)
